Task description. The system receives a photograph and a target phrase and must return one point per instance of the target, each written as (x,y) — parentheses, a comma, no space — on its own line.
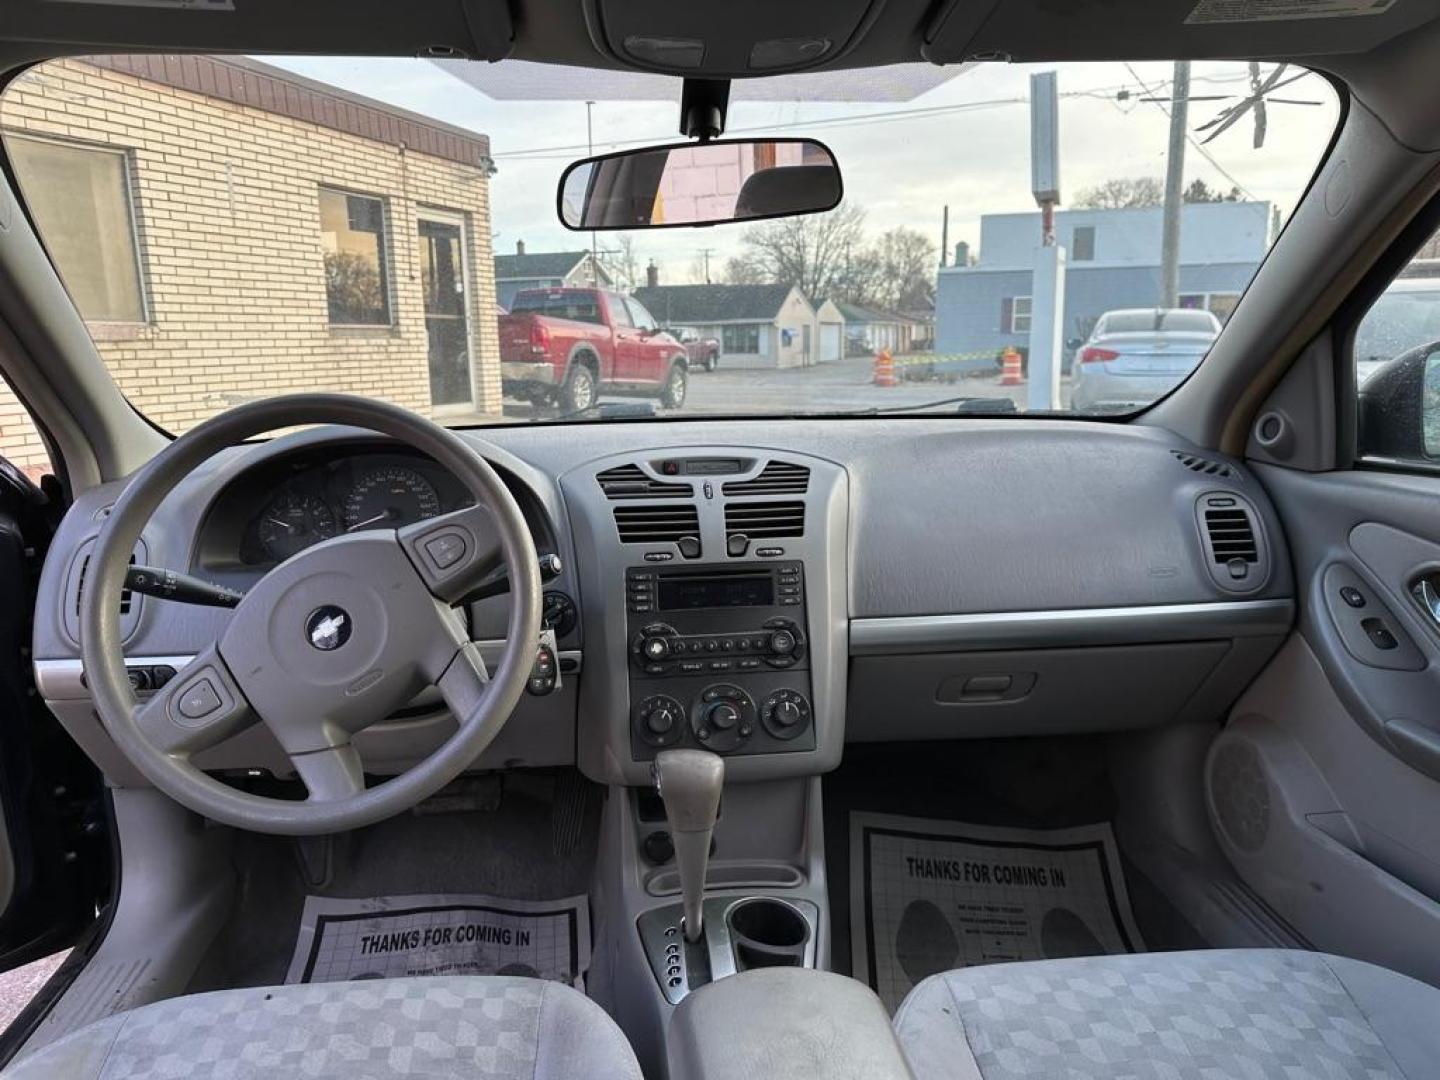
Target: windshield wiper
(969,404)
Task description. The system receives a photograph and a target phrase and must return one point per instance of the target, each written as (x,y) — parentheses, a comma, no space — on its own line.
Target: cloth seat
(1236,1014)
(439,1028)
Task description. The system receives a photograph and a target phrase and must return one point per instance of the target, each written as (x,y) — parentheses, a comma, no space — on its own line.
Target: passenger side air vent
(632,482)
(1231,534)
(1203,465)
(777,478)
(767,520)
(656,524)
(1234,543)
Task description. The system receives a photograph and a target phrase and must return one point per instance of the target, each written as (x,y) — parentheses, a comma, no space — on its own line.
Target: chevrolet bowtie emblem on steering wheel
(328,628)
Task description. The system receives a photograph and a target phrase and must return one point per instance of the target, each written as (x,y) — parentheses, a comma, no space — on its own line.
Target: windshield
(232,228)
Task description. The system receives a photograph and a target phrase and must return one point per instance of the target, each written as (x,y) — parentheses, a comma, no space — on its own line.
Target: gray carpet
(531,835)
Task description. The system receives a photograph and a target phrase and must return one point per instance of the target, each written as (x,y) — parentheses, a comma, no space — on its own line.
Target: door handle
(1426,591)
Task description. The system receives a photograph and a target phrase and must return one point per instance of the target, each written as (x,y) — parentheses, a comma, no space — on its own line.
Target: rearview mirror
(700,184)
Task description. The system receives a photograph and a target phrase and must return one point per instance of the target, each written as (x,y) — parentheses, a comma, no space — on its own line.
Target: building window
(1219,304)
(1015,315)
(741,339)
(82,203)
(1082,244)
(357,278)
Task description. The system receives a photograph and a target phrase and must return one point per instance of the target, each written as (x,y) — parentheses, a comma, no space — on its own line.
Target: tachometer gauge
(388,497)
(293,523)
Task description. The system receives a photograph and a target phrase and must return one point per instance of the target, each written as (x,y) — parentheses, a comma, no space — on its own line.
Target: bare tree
(906,281)
(1122,193)
(624,264)
(1199,191)
(810,252)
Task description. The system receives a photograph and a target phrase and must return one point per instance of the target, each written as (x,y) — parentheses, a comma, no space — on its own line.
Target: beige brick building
(230,231)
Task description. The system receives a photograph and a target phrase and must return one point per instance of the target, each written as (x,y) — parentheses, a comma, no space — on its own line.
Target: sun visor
(1033,30)
(523,80)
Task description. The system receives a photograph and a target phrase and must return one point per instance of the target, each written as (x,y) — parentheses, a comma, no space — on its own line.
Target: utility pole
(944,235)
(705,254)
(1174,187)
(590,152)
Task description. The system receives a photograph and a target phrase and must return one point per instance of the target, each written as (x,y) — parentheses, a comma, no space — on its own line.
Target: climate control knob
(722,716)
(786,714)
(659,720)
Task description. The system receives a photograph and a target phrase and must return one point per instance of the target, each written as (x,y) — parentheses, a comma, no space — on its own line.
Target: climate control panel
(718,659)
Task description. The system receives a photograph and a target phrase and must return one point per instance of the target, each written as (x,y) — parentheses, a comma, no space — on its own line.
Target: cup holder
(767,933)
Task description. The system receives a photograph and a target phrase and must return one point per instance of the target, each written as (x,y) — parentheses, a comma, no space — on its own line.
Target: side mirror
(1074,343)
(1400,407)
(699,184)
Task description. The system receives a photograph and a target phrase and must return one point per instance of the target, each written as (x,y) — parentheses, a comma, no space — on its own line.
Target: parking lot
(841,386)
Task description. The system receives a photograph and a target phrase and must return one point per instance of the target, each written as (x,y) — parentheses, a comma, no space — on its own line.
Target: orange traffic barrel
(884,368)
(1011,372)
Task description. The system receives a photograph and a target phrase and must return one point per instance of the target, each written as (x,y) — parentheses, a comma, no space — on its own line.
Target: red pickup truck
(566,347)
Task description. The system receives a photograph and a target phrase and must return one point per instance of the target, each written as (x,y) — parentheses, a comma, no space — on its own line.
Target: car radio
(718,659)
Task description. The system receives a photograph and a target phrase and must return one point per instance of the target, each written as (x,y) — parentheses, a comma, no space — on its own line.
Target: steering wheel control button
(446,549)
(198,700)
(328,627)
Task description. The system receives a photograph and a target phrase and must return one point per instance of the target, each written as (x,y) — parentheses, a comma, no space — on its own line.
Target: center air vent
(777,478)
(632,482)
(656,524)
(1203,465)
(765,520)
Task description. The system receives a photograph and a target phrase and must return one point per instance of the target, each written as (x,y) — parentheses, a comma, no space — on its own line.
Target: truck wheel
(676,384)
(712,362)
(578,393)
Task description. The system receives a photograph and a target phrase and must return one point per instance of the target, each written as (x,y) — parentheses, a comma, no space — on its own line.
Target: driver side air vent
(656,524)
(1231,535)
(764,521)
(777,478)
(632,482)
(1203,465)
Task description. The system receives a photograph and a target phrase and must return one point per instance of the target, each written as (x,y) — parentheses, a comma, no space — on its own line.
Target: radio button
(690,667)
(770,552)
(657,648)
(782,643)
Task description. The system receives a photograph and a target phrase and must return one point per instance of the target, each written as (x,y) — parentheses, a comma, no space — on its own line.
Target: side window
(20,442)
(1015,315)
(357,272)
(1082,244)
(643,319)
(81,198)
(619,312)
(1396,354)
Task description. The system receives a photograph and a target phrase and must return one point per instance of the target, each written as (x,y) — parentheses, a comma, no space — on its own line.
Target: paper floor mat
(929,896)
(394,936)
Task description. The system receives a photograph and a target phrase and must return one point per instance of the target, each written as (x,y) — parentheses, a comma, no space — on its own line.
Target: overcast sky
(964,142)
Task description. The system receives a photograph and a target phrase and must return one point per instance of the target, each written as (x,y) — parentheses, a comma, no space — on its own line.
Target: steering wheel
(329,642)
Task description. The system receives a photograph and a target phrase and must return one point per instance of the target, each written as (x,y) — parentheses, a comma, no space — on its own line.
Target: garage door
(830,336)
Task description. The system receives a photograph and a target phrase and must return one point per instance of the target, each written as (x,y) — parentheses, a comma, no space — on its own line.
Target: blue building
(1113,261)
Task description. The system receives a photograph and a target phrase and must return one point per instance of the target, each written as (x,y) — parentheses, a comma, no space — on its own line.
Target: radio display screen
(729,590)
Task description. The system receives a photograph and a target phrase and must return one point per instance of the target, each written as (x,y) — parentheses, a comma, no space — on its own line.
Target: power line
(1190,138)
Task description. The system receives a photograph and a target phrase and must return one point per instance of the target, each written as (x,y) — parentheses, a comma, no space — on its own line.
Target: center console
(716,609)
(718,659)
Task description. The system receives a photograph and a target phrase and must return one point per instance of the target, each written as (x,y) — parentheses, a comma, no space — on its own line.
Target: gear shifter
(689,783)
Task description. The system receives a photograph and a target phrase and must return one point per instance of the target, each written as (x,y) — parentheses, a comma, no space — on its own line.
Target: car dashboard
(767,591)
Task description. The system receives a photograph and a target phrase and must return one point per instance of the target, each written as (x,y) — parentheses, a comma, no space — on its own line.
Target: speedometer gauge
(388,497)
(293,523)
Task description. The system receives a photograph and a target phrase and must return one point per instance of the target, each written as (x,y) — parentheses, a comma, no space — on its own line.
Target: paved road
(19,986)
(843,386)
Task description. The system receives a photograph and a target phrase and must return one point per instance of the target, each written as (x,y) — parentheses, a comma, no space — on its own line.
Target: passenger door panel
(1325,786)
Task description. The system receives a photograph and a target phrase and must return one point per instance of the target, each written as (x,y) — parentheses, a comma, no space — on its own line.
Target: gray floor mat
(528,847)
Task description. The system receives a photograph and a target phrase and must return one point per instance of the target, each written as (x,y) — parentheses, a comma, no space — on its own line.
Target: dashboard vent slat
(656,524)
(767,520)
(1203,465)
(126,597)
(632,482)
(1232,535)
(777,478)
